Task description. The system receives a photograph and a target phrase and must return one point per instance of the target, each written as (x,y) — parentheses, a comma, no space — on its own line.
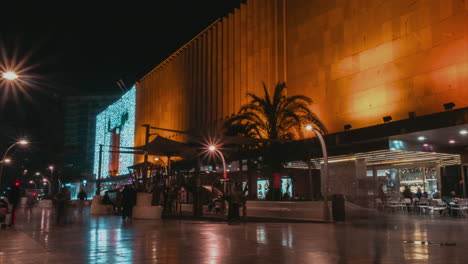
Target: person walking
(82,196)
(128,201)
(14,197)
(61,205)
(30,201)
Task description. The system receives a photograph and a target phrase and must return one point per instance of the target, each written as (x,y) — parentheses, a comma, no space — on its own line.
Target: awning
(161,146)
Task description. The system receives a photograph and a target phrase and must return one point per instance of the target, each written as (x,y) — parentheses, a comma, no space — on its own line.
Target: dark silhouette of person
(14,197)
(60,204)
(128,201)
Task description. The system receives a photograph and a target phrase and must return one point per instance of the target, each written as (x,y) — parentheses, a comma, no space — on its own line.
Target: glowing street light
(9,75)
(5,160)
(213,148)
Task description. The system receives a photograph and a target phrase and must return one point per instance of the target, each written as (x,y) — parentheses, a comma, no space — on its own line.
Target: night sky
(82,47)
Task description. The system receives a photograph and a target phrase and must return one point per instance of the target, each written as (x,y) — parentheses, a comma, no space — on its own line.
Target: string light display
(119,118)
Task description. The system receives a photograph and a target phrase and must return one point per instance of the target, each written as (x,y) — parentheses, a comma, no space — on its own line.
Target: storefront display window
(286,188)
(262,189)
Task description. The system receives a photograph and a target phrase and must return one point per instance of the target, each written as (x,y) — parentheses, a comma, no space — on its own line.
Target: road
(386,239)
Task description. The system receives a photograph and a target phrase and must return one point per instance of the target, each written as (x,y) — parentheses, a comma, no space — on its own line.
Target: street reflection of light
(417,251)
(123,248)
(287,237)
(213,247)
(98,243)
(261,234)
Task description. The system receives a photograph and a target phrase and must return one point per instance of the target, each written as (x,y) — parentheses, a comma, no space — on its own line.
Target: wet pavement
(107,239)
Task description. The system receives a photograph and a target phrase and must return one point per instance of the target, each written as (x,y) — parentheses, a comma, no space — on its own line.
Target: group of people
(124,202)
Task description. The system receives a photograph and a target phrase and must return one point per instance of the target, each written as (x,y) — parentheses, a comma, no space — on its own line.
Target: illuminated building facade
(115,128)
(358,60)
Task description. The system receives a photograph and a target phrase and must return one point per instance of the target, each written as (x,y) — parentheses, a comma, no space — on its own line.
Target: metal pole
(145,169)
(225,176)
(326,212)
(98,187)
(3,162)
(463,179)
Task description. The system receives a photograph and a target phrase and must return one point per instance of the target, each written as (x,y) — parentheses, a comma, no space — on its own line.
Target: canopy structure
(161,146)
(140,170)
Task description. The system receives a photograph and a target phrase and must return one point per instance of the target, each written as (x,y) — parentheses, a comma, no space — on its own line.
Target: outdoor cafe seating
(425,206)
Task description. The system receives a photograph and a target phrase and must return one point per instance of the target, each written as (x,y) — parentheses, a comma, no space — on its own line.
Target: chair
(393,204)
(405,204)
(422,205)
(461,208)
(437,205)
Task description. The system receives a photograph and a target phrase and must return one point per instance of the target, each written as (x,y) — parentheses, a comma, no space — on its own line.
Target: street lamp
(5,159)
(33,182)
(326,212)
(9,75)
(51,168)
(164,164)
(213,149)
(45,181)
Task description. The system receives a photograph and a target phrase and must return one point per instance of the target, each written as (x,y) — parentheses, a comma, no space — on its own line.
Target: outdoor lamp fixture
(38,173)
(449,106)
(20,142)
(213,149)
(387,119)
(326,211)
(9,75)
(347,127)
(452,141)
(463,132)
(421,138)
(7,160)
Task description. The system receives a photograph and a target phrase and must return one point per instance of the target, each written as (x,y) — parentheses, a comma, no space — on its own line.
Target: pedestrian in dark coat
(128,201)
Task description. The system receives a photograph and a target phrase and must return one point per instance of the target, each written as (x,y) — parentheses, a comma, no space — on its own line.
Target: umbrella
(213,190)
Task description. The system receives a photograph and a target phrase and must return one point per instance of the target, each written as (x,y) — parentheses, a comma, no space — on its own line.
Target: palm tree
(275,119)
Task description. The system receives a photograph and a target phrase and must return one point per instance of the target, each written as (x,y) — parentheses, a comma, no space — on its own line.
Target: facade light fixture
(387,119)
(449,106)
(421,138)
(452,141)
(426,145)
(463,132)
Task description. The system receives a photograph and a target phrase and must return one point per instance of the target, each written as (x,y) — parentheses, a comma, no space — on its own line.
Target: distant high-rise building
(79,129)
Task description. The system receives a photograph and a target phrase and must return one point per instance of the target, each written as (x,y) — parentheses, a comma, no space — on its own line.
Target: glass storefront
(396,179)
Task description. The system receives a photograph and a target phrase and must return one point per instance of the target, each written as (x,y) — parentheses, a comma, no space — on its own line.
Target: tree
(276,119)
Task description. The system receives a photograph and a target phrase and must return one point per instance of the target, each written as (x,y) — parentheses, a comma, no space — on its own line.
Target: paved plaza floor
(107,239)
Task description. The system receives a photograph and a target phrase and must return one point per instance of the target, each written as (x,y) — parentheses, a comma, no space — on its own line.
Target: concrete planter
(144,209)
(97,208)
(304,210)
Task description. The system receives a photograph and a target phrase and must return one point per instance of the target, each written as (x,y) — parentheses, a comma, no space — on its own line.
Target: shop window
(286,188)
(262,189)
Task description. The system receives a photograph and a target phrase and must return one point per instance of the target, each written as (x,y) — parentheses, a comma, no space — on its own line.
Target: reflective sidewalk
(390,239)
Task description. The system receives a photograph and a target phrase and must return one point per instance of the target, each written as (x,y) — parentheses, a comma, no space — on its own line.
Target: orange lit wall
(359,60)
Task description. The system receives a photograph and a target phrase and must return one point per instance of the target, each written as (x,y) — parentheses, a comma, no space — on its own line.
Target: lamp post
(326,212)
(51,168)
(5,159)
(213,149)
(46,181)
(164,164)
